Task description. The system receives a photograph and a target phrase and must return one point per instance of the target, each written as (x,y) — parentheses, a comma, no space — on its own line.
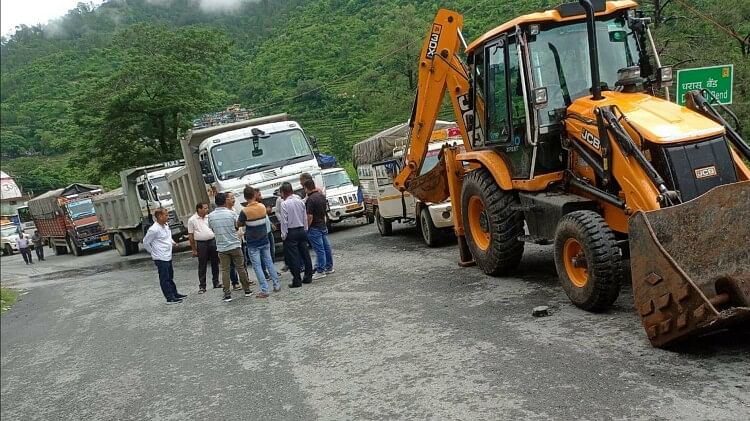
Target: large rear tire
(492,225)
(123,245)
(588,260)
(7,250)
(385,226)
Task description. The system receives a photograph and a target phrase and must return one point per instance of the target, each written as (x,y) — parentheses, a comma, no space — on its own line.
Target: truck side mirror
(314,141)
(208,176)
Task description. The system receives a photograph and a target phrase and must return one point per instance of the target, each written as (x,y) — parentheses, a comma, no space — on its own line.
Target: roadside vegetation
(7,299)
(112,87)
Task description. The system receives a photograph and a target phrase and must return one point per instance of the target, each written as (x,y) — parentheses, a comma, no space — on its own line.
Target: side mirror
(540,97)
(664,75)
(314,141)
(257,152)
(208,176)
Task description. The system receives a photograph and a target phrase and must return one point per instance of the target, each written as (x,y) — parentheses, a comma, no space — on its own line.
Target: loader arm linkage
(439,69)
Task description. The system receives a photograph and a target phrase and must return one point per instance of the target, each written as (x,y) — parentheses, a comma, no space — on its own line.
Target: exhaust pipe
(596,88)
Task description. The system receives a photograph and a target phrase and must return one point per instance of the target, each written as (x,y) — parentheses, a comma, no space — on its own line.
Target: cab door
(506,107)
(389,198)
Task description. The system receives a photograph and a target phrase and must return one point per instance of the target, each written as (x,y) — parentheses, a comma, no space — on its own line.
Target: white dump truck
(378,161)
(262,152)
(127,212)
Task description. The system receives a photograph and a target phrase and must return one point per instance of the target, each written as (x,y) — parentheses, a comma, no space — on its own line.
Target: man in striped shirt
(253,217)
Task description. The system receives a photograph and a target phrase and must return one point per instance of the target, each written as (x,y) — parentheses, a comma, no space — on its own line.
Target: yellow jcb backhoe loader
(567,143)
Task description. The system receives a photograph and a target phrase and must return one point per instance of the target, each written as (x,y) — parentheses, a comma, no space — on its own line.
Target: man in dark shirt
(318,232)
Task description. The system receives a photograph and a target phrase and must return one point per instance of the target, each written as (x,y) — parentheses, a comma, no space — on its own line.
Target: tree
(158,79)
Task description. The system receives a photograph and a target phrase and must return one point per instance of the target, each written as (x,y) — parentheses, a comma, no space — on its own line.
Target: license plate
(352,206)
(105,237)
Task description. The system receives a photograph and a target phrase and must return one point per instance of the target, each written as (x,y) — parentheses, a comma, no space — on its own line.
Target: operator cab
(526,73)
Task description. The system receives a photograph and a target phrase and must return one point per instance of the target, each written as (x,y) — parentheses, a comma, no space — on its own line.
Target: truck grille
(90,230)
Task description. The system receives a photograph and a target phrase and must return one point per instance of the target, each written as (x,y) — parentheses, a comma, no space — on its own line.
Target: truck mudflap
(690,265)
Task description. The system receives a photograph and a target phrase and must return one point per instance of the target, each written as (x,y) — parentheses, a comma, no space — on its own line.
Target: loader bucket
(432,186)
(690,265)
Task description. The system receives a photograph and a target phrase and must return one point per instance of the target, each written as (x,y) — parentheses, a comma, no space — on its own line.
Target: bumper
(442,215)
(99,241)
(341,212)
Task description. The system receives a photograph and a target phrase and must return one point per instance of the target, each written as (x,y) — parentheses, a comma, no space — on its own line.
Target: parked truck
(262,152)
(377,160)
(67,221)
(127,212)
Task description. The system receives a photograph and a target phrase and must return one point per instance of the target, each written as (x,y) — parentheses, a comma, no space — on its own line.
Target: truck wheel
(73,247)
(588,260)
(385,226)
(492,226)
(123,245)
(431,235)
(370,218)
(7,250)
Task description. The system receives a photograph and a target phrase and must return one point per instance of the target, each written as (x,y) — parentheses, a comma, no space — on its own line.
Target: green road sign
(719,80)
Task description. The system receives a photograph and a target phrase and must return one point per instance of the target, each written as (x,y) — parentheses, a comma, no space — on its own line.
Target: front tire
(73,247)
(430,233)
(492,225)
(385,226)
(588,260)
(7,250)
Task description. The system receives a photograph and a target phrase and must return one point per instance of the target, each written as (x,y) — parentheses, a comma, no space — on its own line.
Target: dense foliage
(105,88)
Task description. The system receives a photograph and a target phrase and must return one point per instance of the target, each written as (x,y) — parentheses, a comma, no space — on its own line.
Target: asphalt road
(400,331)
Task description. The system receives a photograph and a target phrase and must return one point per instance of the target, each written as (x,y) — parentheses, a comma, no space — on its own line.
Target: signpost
(719,80)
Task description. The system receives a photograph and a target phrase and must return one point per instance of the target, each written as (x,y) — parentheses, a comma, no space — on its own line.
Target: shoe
(227,298)
(330,271)
(285,268)
(217,286)
(295,286)
(261,295)
(175,301)
(248,293)
(276,289)
(202,291)
(181,296)
(307,281)
(237,287)
(318,275)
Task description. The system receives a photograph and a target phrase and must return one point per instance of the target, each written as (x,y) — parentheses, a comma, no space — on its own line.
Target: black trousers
(207,253)
(26,254)
(297,255)
(39,249)
(166,279)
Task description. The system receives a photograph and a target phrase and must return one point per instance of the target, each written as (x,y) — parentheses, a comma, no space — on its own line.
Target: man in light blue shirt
(223,222)
(158,242)
(293,221)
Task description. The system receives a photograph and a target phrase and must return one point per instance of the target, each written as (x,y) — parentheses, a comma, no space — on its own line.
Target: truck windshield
(235,158)
(80,209)
(162,187)
(336,179)
(23,214)
(560,60)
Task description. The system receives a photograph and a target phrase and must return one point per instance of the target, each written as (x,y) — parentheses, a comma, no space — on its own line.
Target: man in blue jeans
(317,232)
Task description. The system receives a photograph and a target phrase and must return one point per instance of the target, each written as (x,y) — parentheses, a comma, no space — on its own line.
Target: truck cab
(342,196)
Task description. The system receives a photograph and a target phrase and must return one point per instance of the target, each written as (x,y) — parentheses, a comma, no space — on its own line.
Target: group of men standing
(214,240)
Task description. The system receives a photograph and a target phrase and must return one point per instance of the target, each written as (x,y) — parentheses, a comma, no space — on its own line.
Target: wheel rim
(575,262)
(479,225)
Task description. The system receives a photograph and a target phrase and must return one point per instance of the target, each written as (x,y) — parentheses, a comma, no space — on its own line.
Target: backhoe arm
(439,69)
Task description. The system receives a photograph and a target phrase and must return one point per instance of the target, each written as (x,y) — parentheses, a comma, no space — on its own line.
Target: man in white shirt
(203,242)
(23,246)
(158,241)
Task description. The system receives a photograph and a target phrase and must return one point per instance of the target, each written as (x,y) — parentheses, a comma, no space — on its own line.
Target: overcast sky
(32,12)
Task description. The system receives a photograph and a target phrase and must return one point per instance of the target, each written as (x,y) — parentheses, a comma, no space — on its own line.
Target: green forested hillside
(110,87)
